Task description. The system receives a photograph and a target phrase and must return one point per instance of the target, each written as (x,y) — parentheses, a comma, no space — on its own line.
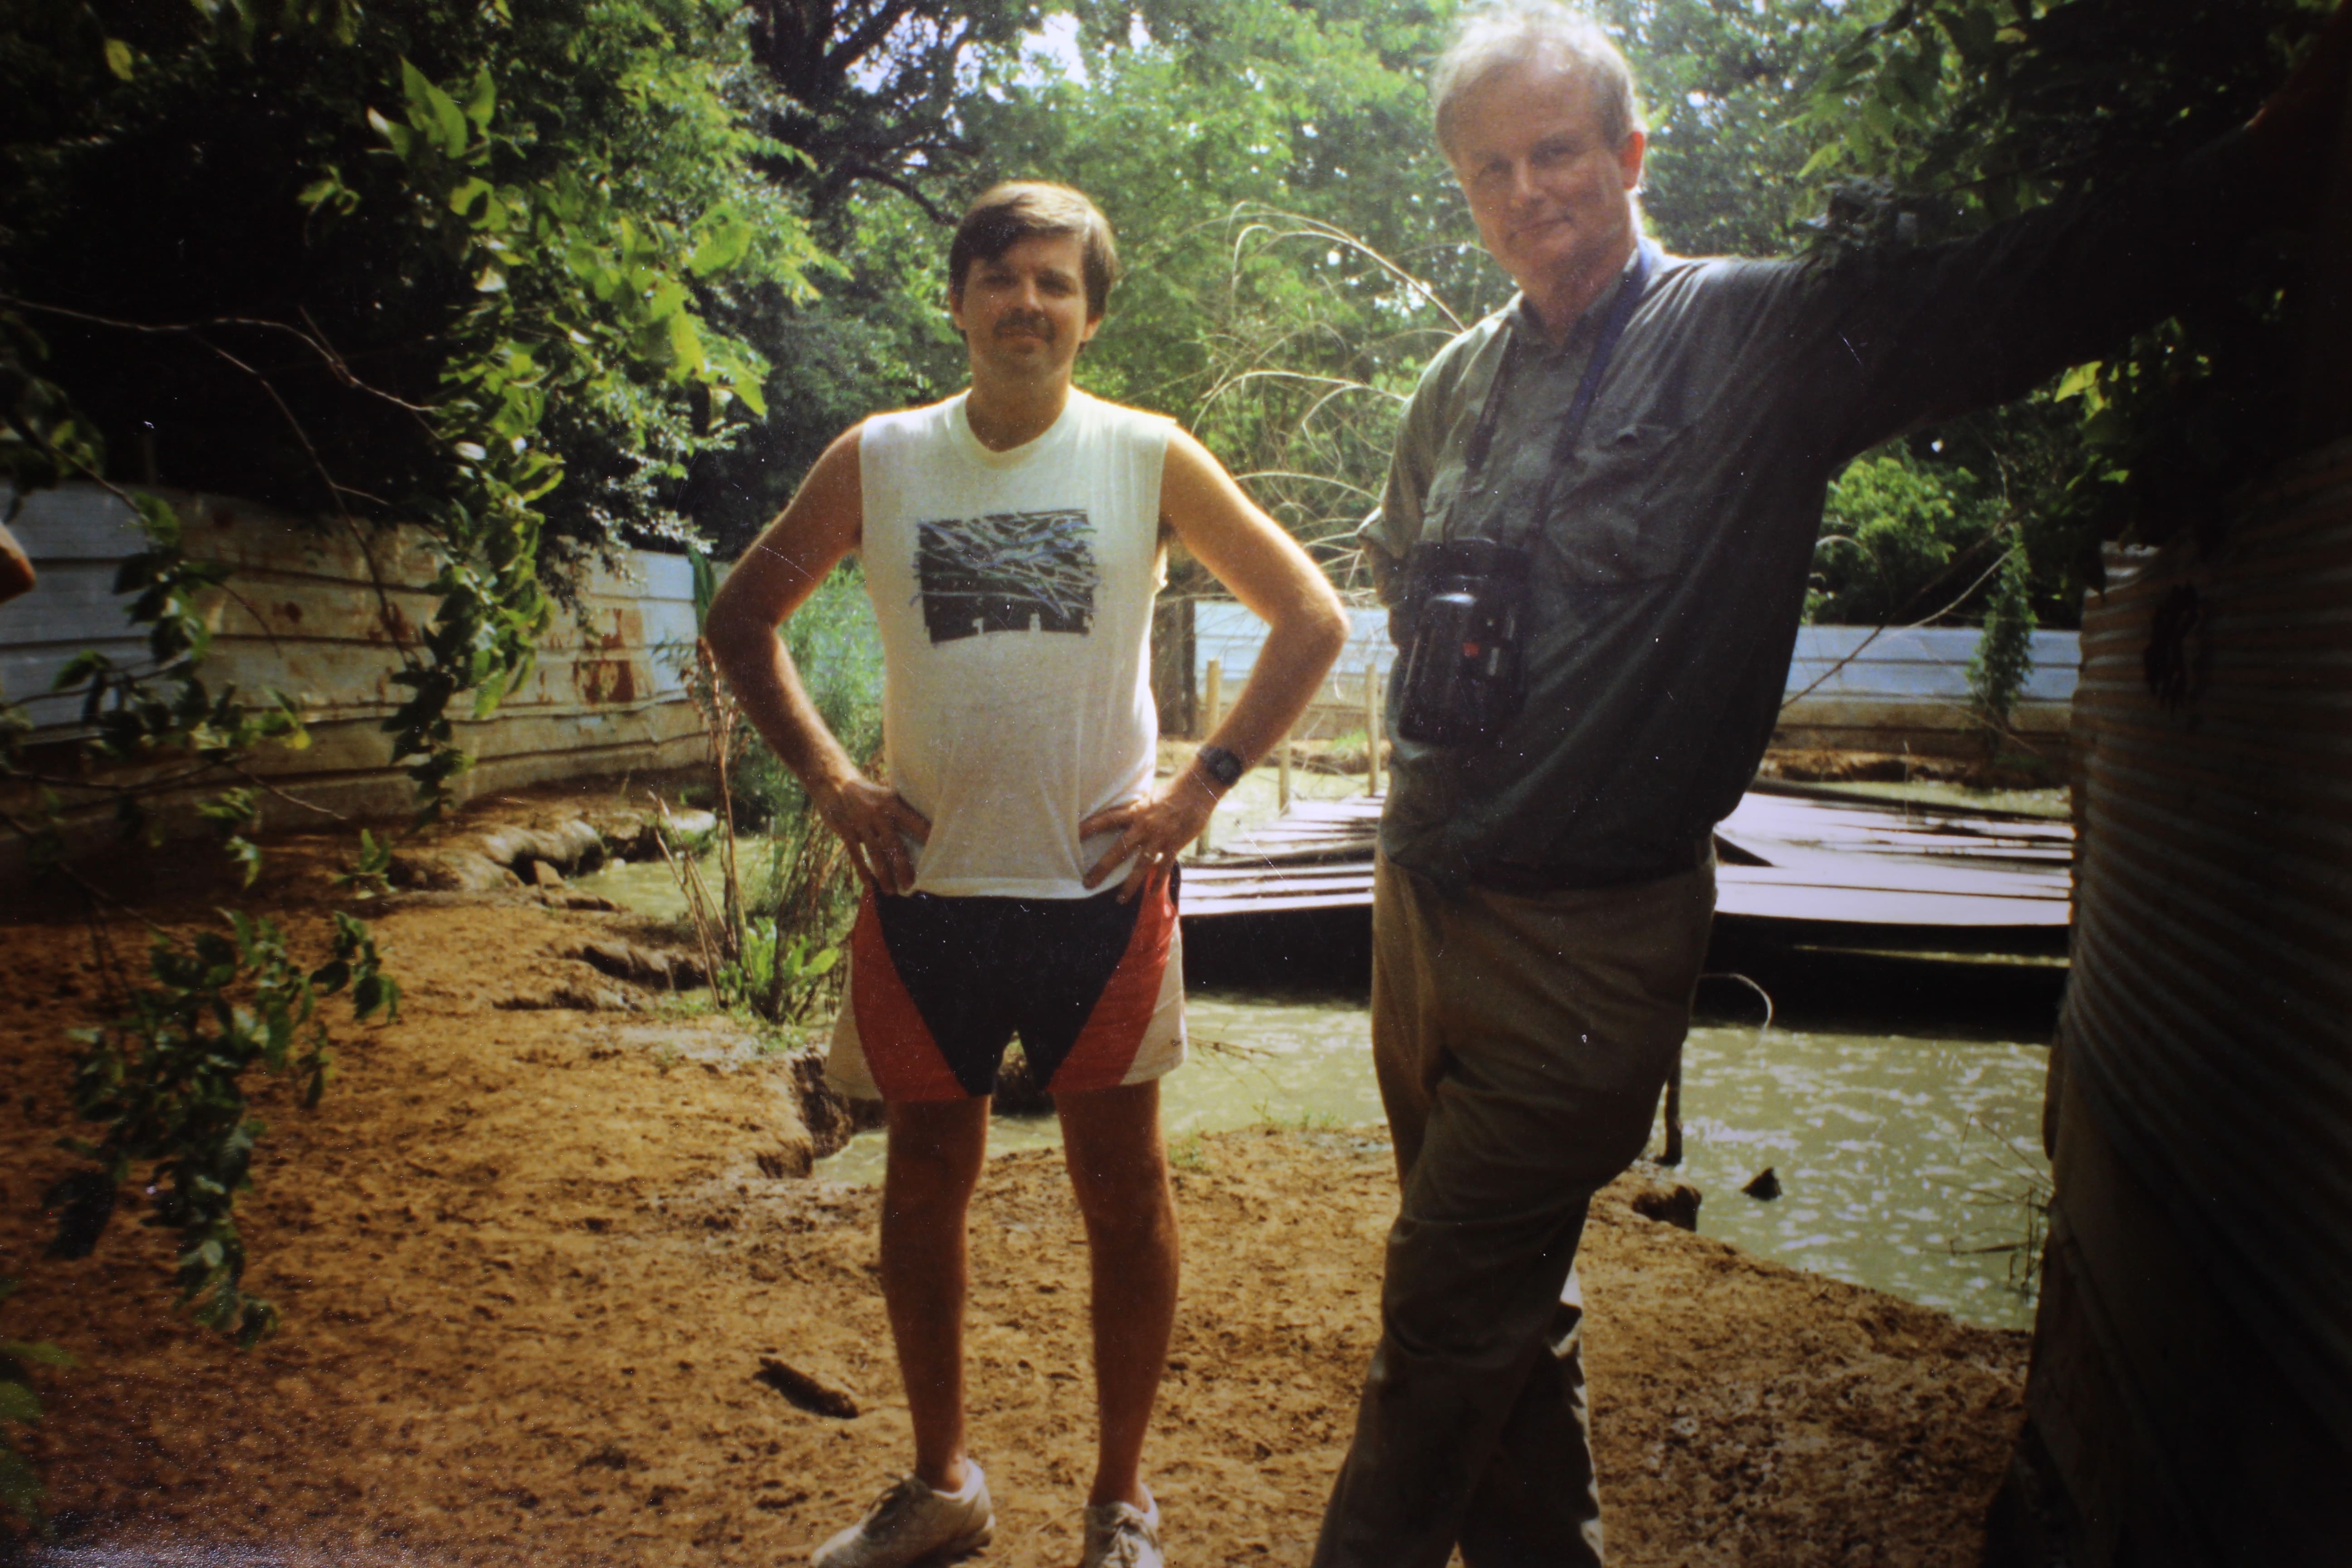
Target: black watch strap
(1222,766)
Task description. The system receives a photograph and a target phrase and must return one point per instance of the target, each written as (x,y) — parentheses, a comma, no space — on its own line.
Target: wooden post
(1174,688)
(1371,728)
(1672,1153)
(1212,711)
(1282,775)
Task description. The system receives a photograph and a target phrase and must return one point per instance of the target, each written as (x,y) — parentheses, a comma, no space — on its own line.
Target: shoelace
(897,1501)
(1126,1539)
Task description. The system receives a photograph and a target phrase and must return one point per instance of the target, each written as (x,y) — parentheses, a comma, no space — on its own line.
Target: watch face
(1222,766)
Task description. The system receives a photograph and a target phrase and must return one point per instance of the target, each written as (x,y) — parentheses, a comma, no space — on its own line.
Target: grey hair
(1491,37)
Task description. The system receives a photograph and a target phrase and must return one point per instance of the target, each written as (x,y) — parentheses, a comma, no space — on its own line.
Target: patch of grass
(1304,1122)
(677,1006)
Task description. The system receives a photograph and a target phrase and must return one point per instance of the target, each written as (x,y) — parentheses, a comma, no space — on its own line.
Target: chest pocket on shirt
(1437,506)
(1614,526)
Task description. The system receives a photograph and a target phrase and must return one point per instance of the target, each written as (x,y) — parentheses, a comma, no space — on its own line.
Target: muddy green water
(1897,1156)
(1900,1155)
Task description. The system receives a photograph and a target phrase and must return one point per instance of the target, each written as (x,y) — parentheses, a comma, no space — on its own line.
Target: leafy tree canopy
(526,218)
(1952,113)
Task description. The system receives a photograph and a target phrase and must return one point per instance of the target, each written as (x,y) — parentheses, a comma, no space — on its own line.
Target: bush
(2004,654)
(1891,530)
(807,887)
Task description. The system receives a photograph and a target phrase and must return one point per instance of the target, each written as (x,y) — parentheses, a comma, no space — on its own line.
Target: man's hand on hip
(1153,830)
(874,824)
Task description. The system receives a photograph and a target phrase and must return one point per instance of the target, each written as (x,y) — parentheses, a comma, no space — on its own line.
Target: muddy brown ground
(530,1260)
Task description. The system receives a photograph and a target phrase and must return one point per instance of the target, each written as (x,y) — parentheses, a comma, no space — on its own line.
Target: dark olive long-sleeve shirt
(1669,575)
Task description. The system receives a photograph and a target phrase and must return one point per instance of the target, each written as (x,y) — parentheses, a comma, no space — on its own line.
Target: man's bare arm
(776,575)
(1265,569)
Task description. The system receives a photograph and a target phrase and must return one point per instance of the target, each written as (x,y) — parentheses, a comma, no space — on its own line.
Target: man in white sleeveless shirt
(1013,538)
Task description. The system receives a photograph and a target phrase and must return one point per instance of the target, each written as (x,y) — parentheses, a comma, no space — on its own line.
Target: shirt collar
(1528,327)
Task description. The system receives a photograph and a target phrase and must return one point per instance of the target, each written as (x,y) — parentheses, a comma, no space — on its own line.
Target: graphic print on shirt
(1007,571)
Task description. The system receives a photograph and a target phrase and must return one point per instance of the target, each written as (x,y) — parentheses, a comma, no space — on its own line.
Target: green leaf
(482,100)
(1973,29)
(474,190)
(399,138)
(39,1352)
(119,59)
(84,665)
(2083,378)
(433,111)
(246,856)
(18,1403)
(726,237)
(686,355)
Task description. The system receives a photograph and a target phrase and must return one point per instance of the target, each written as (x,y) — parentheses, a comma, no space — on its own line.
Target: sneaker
(910,1522)
(1121,1535)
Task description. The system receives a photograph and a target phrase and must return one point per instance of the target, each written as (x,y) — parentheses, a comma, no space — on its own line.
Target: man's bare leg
(1118,1167)
(933,1163)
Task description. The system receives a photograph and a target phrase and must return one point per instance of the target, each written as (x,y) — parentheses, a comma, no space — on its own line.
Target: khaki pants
(1521,1044)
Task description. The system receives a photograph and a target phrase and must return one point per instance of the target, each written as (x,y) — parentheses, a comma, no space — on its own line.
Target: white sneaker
(1121,1535)
(911,1521)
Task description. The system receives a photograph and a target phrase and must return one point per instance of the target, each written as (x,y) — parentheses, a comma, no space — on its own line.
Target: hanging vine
(552,267)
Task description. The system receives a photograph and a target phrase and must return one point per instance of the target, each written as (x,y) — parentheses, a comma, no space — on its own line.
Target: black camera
(1464,601)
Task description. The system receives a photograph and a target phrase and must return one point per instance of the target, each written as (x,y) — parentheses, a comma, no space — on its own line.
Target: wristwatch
(1222,766)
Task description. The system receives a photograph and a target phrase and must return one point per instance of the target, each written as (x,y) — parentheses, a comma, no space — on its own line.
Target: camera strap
(1588,389)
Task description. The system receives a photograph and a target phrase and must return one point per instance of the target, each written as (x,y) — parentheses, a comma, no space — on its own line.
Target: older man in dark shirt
(1544,897)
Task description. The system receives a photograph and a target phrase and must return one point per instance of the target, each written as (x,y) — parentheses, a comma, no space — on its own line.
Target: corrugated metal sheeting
(314,610)
(2208,1027)
(1881,688)
(1850,688)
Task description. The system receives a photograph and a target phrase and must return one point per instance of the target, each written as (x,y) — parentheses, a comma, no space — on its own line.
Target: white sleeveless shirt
(1014,594)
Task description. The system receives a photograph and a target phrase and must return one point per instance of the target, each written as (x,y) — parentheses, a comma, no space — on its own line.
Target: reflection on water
(1895,1153)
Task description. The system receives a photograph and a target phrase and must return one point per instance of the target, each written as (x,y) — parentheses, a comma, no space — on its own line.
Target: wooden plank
(1231,879)
(1851,906)
(1737,897)
(1275,904)
(1839,861)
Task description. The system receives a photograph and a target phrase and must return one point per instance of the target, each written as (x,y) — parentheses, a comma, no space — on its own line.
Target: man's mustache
(1041,324)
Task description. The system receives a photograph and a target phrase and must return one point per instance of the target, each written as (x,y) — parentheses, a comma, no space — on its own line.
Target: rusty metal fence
(315,610)
(2202,1089)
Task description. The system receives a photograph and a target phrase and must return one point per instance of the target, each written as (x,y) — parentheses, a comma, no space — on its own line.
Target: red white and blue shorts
(939,986)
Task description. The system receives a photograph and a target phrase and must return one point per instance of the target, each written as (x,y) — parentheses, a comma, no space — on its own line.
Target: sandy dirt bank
(531,1258)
